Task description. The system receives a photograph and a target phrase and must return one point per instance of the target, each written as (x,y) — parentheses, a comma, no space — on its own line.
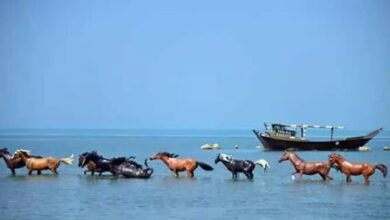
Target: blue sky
(201,64)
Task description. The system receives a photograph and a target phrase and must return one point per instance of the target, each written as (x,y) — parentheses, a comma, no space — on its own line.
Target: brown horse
(355,169)
(46,163)
(179,165)
(14,162)
(308,168)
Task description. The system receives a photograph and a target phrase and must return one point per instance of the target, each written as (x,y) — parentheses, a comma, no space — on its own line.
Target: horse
(94,163)
(44,163)
(236,166)
(263,163)
(179,165)
(129,168)
(91,166)
(15,162)
(355,169)
(307,168)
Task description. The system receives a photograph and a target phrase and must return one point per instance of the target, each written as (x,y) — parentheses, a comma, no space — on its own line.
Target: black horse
(235,166)
(94,162)
(130,168)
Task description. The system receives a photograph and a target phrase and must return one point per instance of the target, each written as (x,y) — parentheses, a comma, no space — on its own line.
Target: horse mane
(85,153)
(22,151)
(337,155)
(118,160)
(296,155)
(169,154)
(5,150)
(93,155)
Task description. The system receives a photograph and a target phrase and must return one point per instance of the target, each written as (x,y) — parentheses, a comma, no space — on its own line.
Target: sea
(272,194)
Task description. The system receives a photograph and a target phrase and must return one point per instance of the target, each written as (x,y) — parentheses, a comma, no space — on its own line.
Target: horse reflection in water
(307,168)
(129,168)
(177,165)
(349,168)
(236,166)
(14,162)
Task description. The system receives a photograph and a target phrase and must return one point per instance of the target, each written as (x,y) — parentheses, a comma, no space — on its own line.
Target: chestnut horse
(178,165)
(45,163)
(308,168)
(356,169)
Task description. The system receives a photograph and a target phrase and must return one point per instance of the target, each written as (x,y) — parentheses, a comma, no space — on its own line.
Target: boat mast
(331,133)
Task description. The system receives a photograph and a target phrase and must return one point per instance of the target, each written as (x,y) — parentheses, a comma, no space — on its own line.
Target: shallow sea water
(210,195)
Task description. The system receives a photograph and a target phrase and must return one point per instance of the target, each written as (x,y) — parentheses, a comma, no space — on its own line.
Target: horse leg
(13,172)
(235,175)
(92,173)
(29,171)
(349,180)
(39,172)
(366,179)
(190,173)
(250,175)
(323,176)
(293,173)
(85,172)
(176,173)
(301,175)
(53,170)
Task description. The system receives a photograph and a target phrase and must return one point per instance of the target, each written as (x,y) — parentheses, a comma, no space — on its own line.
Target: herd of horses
(129,168)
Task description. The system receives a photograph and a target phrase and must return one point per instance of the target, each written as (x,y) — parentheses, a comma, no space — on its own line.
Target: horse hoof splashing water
(177,165)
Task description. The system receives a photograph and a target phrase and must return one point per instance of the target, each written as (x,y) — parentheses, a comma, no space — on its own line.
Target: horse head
(85,157)
(286,156)
(20,152)
(223,157)
(160,155)
(82,159)
(332,158)
(4,151)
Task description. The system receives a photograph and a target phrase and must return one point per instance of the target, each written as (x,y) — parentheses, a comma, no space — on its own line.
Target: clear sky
(200,64)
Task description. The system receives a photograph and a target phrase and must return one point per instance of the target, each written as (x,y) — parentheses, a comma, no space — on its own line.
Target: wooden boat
(283,137)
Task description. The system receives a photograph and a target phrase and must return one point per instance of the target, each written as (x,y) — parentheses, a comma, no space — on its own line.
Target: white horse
(263,163)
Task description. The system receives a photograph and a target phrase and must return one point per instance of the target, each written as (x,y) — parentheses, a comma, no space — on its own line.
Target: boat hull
(280,143)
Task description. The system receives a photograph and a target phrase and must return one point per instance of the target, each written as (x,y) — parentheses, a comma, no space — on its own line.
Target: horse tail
(382,168)
(67,160)
(149,172)
(205,166)
(263,164)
